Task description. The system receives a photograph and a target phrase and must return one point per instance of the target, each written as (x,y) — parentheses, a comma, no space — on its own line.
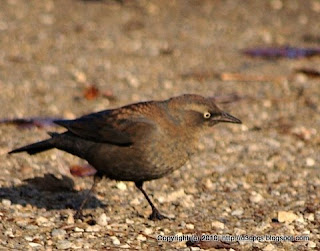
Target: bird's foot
(84,217)
(78,215)
(156,215)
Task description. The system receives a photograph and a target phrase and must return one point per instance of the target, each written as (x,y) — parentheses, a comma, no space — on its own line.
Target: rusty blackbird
(137,142)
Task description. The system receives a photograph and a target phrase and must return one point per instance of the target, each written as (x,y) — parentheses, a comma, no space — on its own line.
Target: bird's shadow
(48,192)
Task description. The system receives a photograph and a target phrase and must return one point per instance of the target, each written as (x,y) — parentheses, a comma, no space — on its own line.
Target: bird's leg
(155,215)
(96,179)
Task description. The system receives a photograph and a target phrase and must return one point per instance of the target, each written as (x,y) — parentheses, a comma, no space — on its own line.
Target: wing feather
(105,127)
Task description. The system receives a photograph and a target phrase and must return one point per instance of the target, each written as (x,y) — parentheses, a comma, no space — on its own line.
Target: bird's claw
(156,215)
(78,215)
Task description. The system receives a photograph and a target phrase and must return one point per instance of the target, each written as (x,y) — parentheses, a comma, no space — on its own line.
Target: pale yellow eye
(207,115)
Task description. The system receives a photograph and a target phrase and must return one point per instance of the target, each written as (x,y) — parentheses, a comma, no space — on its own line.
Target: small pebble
(135,202)
(80,77)
(34,245)
(95,228)
(78,229)
(217,225)
(6,202)
(128,221)
(173,196)
(121,186)
(286,217)
(276,4)
(103,220)
(189,226)
(41,220)
(312,244)
(141,237)
(63,244)
(310,162)
(70,219)
(115,240)
(28,238)
(148,231)
(9,233)
(310,217)
(132,81)
(256,198)
(306,232)
(237,212)
(239,231)
(31,227)
(270,247)
(58,233)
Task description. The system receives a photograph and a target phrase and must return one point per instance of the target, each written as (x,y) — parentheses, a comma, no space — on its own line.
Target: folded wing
(105,127)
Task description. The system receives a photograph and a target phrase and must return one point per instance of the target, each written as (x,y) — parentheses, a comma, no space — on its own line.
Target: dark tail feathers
(37,147)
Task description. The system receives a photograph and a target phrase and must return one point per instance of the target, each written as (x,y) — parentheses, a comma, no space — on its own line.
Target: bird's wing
(105,127)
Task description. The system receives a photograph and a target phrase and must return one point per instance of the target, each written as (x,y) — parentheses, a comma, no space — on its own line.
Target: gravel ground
(257,179)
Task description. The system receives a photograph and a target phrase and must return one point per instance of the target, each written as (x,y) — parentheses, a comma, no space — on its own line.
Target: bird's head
(197,111)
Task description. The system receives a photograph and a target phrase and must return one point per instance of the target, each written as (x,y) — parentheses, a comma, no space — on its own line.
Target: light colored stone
(301,220)
(132,80)
(239,231)
(276,4)
(237,212)
(180,196)
(189,226)
(148,231)
(115,240)
(9,233)
(32,227)
(269,247)
(135,202)
(78,229)
(286,217)
(172,196)
(121,186)
(6,202)
(217,225)
(141,237)
(103,219)
(28,238)
(34,245)
(58,233)
(41,220)
(310,162)
(80,76)
(256,197)
(95,228)
(310,217)
(63,244)
(312,244)
(306,232)
(70,219)
(128,221)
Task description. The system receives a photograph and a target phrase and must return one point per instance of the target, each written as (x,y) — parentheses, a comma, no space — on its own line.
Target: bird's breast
(168,153)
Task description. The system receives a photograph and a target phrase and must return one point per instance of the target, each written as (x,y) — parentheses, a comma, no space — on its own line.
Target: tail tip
(14,151)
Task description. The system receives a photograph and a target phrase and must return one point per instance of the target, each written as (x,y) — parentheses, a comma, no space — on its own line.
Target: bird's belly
(164,162)
(137,163)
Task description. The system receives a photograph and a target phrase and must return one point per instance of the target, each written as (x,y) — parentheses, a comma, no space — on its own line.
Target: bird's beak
(224,117)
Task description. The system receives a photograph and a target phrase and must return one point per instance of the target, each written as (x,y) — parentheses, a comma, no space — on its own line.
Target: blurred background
(260,59)
(142,50)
